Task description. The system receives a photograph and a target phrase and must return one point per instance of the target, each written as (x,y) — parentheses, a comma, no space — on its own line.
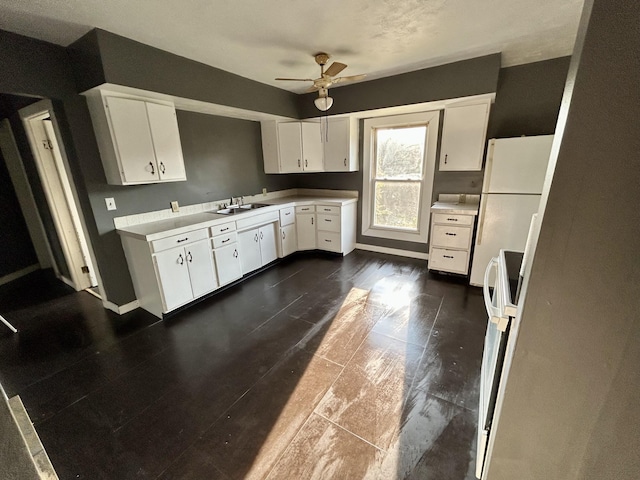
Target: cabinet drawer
(330,223)
(223,240)
(176,240)
(328,209)
(452,219)
(329,241)
(306,209)
(287,216)
(223,228)
(455,261)
(451,237)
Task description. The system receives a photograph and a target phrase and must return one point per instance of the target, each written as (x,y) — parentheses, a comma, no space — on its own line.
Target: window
(399,157)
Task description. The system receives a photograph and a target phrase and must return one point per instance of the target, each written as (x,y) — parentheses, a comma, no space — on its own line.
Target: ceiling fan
(326,79)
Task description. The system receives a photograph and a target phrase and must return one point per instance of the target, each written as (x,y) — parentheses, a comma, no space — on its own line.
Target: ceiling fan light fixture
(323,103)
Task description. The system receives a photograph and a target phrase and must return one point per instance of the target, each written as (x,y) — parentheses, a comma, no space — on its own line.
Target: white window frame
(432,119)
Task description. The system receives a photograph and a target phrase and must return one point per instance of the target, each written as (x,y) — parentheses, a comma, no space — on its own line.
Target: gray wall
(571,401)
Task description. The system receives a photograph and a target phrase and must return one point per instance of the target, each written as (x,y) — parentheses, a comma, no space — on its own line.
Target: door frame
(62,196)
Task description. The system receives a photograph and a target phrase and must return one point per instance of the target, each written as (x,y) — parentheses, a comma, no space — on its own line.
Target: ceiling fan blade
(335,68)
(312,88)
(351,78)
(296,79)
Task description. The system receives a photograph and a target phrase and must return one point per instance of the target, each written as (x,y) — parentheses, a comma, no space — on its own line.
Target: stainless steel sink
(235,210)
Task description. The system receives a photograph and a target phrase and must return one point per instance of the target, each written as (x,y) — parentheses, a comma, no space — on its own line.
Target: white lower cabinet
(228,263)
(257,247)
(288,240)
(450,242)
(306,228)
(185,273)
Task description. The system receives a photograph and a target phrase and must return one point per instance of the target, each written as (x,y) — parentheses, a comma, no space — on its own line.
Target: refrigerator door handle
(483,214)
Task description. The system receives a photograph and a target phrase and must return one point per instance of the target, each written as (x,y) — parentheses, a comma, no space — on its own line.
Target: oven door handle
(493,312)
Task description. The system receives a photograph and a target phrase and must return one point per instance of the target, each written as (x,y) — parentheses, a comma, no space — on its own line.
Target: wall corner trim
(121,309)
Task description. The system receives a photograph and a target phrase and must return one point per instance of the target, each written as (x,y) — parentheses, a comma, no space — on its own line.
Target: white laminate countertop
(455,208)
(186,223)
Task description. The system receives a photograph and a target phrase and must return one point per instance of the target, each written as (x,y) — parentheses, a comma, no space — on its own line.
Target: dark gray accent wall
(17,249)
(459,79)
(126,62)
(570,406)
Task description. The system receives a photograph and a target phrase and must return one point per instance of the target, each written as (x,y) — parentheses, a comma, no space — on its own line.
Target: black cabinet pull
(298,163)
(311,220)
(182,240)
(452,219)
(255,239)
(235,253)
(283,235)
(327,240)
(189,257)
(162,169)
(180,259)
(345,162)
(224,229)
(288,213)
(445,158)
(451,234)
(447,256)
(225,241)
(327,220)
(306,162)
(153,170)
(261,235)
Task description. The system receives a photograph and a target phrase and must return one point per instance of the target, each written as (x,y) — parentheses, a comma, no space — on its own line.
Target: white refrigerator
(513,179)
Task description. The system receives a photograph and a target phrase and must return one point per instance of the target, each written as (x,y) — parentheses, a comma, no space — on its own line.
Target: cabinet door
(268,246)
(337,146)
(249,248)
(288,239)
(201,270)
(132,140)
(290,147)
(227,263)
(166,141)
(312,148)
(173,276)
(306,231)
(463,137)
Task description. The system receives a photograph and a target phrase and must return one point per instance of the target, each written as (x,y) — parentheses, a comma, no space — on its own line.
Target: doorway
(48,151)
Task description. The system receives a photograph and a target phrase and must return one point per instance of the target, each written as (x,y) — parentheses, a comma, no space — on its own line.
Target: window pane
(396,204)
(400,152)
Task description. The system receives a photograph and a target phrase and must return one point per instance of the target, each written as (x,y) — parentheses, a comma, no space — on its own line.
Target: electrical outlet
(111,203)
(175,207)
(264,191)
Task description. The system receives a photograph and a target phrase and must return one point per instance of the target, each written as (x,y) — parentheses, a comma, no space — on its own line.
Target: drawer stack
(450,244)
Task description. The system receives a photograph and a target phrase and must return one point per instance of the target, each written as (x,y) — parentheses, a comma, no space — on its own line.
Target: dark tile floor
(365,366)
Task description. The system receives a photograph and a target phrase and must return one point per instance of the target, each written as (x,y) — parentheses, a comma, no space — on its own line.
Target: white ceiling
(264,39)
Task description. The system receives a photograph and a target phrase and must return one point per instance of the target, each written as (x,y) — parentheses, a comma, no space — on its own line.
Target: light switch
(111,203)
(175,207)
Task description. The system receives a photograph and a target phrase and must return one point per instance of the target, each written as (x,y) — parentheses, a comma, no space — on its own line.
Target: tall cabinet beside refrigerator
(513,179)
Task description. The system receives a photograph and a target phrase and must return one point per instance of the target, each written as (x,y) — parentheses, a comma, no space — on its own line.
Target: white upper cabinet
(312,152)
(294,147)
(138,140)
(341,145)
(463,137)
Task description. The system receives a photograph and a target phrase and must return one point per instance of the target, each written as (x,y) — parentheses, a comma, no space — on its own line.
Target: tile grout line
(424,350)
(351,433)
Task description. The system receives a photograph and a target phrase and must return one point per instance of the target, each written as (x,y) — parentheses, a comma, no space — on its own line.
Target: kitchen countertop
(455,208)
(186,223)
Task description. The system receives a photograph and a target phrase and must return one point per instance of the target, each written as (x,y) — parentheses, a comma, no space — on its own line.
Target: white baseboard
(393,251)
(20,273)
(120,309)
